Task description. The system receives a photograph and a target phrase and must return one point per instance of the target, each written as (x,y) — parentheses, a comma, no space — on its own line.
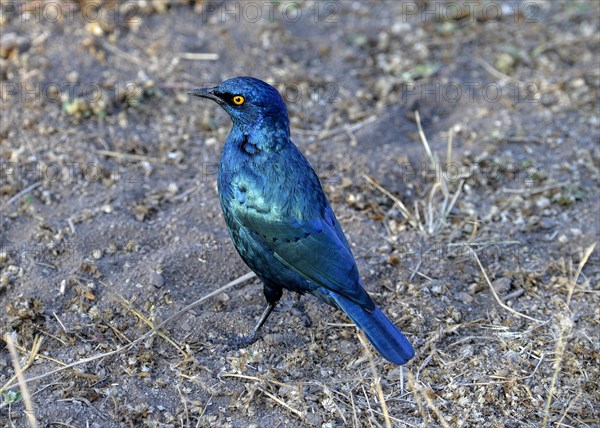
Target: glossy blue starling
(279,218)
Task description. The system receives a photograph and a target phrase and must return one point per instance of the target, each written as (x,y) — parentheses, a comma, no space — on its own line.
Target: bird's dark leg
(272,294)
(264,316)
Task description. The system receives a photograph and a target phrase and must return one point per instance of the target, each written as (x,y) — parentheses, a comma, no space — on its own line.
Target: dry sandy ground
(110,222)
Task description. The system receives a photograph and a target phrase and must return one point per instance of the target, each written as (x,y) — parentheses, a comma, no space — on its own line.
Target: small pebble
(542,202)
(222,298)
(274,338)
(502,284)
(463,297)
(156,279)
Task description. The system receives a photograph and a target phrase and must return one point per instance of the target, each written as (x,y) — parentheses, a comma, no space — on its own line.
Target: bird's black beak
(205,93)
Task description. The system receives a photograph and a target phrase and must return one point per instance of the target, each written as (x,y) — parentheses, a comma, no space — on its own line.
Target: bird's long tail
(381,332)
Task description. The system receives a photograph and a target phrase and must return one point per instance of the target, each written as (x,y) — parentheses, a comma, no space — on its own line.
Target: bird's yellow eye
(238,100)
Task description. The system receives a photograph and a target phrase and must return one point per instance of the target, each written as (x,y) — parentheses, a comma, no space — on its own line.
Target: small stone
(575,231)
(156,279)
(347,347)
(547,223)
(474,288)
(147,167)
(501,284)
(313,419)
(464,297)
(185,325)
(542,202)
(505,62)
(274,338)
(326,373)
(577,83)
(437,288)
(95,29)
(130,247)
(173,188)
(222,298)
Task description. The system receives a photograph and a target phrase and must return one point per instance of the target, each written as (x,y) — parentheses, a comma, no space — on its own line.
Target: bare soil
(110,221)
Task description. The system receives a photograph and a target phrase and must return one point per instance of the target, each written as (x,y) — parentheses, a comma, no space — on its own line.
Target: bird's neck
(263,135)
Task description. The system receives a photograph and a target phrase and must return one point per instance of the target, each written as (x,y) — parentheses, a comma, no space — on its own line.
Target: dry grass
(519,352)
(376,380)
(437,383)
(154,330)
(566,322)
(431,217)
(29,411)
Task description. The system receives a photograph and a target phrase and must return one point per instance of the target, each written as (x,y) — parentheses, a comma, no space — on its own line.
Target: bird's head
(252,104)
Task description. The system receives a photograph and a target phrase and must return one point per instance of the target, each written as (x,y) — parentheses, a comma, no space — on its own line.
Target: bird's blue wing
(314,247)
(314,250)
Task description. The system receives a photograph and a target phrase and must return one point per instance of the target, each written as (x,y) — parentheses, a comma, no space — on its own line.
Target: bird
(279,218)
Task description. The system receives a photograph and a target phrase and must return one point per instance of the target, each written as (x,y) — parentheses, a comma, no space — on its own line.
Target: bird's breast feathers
(275,183)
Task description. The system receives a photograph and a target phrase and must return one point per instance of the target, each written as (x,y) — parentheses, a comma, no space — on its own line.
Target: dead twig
(535,190)
(495,294)
(588,252)
(258,379)
(150,324)
(29,412)
(328,133)
(33,353)
(24,192)
(566,324)
(376,380)
(419,393)
(496,73)
(281,402)
(402,208)
(199,56)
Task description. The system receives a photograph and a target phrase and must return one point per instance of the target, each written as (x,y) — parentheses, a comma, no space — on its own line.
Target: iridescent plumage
(280,219)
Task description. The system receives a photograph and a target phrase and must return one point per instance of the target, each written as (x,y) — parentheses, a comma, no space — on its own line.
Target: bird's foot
(236,343)
(248,340)
(244,341)
(300,311)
